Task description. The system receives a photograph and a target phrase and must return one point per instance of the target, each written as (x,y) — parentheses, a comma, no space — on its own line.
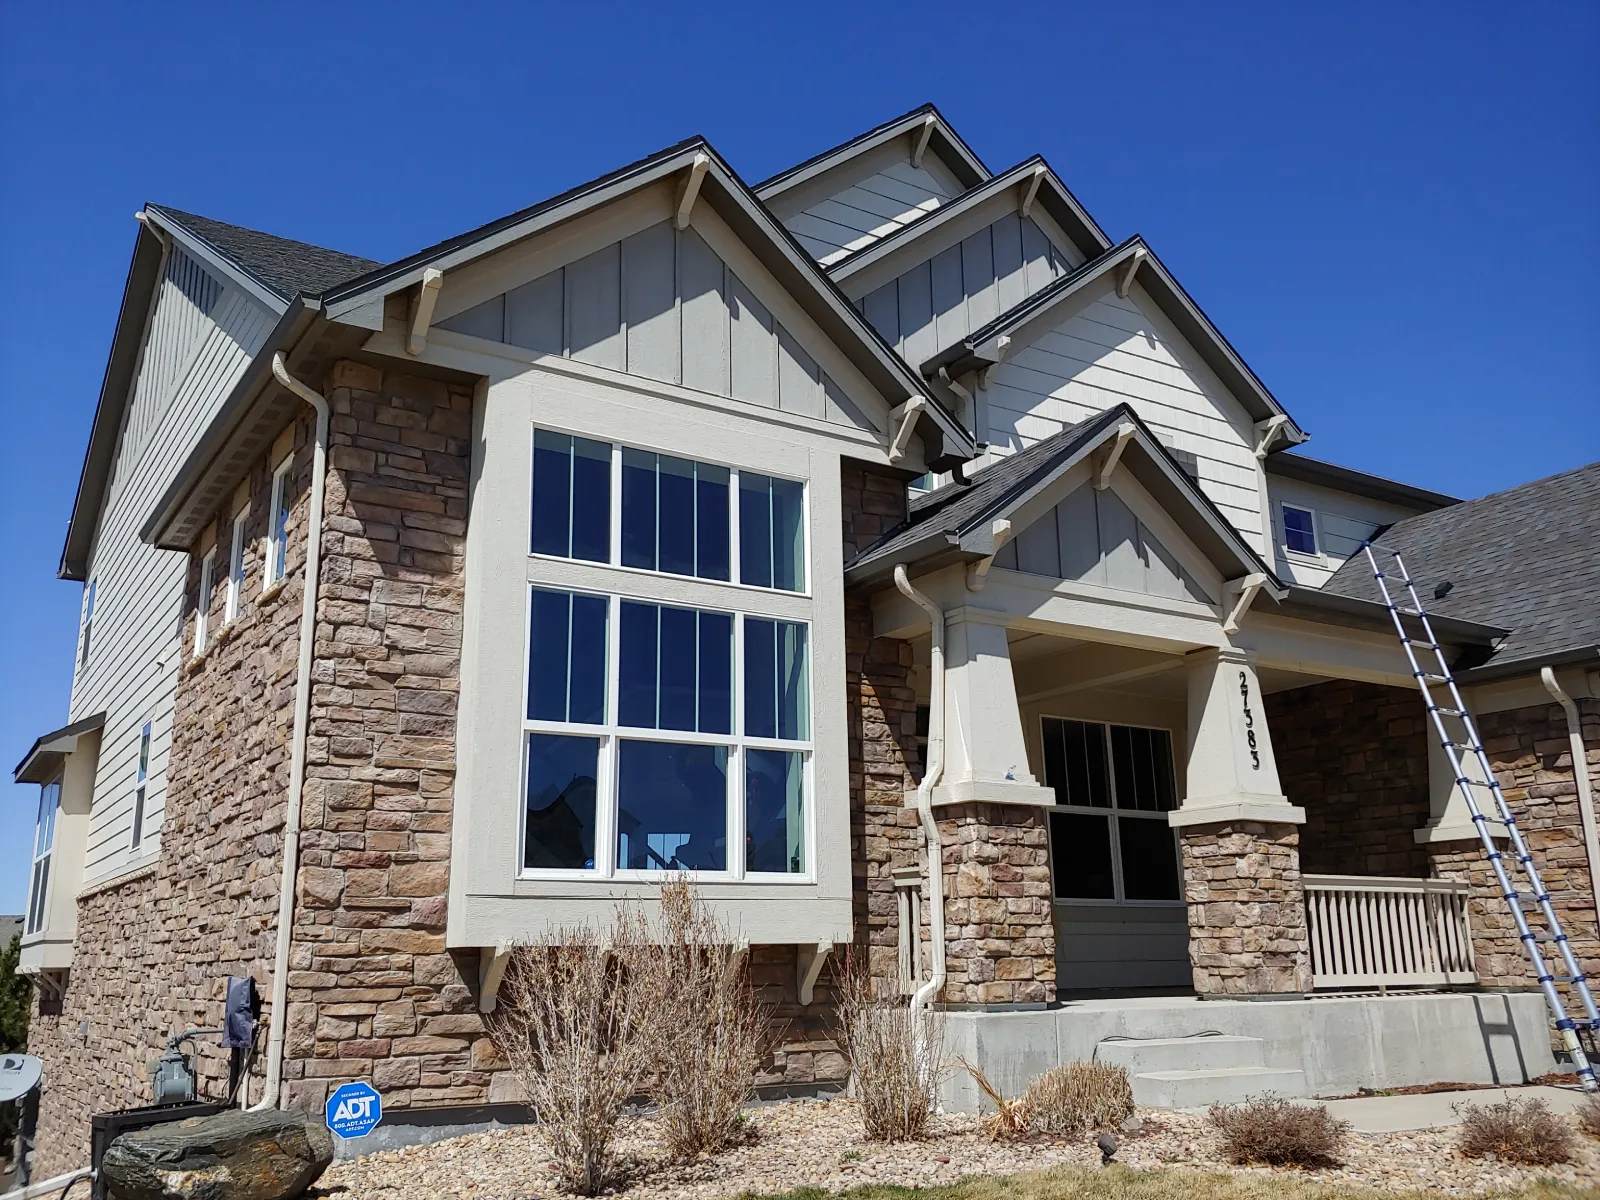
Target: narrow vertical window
(44,840)
(202,607)
(571,497)
(278,527)
(88,623)
(772,532)
(139,786)
(235,569)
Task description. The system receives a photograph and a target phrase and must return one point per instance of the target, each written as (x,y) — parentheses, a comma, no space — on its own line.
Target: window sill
(269,595)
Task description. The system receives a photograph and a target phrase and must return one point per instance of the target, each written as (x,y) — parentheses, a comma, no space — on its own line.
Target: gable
(662,304)
(1093,536)
(964,286)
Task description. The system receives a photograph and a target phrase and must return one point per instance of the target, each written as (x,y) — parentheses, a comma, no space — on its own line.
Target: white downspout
(930,779)
(1580,774)
(297,753)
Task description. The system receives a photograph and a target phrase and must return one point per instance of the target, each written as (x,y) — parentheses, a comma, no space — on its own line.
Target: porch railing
(1369,932)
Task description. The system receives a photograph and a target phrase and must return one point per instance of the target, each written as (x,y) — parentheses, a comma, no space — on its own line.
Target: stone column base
(1247,911)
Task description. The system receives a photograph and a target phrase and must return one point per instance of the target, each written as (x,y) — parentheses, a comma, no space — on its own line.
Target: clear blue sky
(1392,210)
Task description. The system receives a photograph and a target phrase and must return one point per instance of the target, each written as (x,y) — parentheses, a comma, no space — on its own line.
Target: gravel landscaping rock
(818,1143)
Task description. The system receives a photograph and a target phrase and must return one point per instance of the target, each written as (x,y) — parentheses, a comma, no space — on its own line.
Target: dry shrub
(710,1032)
(575,1027)
(1589,1115)
(1009,1121)
(1519,1131)
(1077,1097)
(1272,1131)
(896,1059)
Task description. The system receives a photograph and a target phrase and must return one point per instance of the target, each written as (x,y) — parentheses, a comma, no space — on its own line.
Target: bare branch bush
(573,1023)
(1519,1131)
(1076,1097)
(896,1059)
(1275,1132)
(709,1033)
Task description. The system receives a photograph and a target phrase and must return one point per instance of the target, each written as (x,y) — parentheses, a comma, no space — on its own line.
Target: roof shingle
(286,266)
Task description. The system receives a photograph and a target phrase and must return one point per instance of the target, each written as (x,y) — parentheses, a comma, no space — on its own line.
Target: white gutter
(48,1187)
(930,779)
(1580,773)
(297,753)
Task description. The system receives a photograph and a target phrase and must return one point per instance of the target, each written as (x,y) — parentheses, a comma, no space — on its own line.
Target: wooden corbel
(492,962)
(906,414)
(1031,191)
(924,135)
(422,310)
(690,191)
(978,573)
(1244,591)
(1125,280)
(1108,464)
(808,966)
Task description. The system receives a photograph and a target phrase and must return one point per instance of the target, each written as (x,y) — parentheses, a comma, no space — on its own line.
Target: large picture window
(1109,835)
(663,738)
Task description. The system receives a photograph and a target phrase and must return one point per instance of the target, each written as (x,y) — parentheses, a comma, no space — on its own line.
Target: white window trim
(1316,555)
(40,905)
(1112,813)
(236,548)
(141,769)
(277,552)
(614,548)
(202,604)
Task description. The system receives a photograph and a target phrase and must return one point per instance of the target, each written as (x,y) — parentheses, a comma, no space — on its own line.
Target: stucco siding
(202,332)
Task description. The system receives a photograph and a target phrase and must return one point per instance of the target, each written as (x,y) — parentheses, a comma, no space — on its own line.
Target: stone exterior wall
(154,950)
(1355,757)
(1247,910)
(1002,944)
(1531,755)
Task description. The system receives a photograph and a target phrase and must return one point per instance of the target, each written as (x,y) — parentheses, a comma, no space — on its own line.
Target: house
(789,535)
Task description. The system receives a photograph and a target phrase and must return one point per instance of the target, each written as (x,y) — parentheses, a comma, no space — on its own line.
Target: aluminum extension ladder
(1468,740)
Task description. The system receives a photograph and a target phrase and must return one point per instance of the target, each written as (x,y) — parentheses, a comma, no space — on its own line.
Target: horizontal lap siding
(190,362)
(938,302)
(661,304)
(868,210)
(1343,522)
(1117,946)
(1109,352)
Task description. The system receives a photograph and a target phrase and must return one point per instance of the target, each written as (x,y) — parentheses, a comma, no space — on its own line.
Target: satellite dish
(19,1075)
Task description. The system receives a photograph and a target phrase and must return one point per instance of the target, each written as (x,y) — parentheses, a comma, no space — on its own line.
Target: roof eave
(43,758)
(1529,663)
(1375,487)
(1371,614)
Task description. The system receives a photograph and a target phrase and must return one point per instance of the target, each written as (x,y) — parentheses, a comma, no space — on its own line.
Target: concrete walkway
(1392,1114)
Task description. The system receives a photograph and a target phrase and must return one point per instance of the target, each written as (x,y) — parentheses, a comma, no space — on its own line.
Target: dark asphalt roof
(1527,559)
(286,266)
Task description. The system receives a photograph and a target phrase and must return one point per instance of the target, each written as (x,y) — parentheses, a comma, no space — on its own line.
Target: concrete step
(1215,1085)
(1182,1053)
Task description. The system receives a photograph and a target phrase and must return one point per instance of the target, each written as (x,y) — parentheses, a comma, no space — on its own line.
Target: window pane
(774,799)
(672,807)
(675,515)
(776,680)
(1080,856)
(788,535)
(591,500)
(755,529)
(1299,530)
(677,668)
(1077,769)
(41,885)
(639,509)
(1166,779)
(1142,760)
(1149,859)
(560,799)
(711,522)
(552,492)
(637,666)
(549,637)
(586,674)
(716,673)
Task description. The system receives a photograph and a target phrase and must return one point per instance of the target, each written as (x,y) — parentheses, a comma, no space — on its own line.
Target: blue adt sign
(354,1110)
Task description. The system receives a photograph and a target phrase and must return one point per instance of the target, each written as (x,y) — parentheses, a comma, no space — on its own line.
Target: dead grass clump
(573,1024)
(1078,1097)
(896,1059)
(1519,1131)
(1589,1115)
(1271,1131)
(709,1031)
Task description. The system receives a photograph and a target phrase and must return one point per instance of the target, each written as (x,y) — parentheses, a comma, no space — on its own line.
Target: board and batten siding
(864,200)
(940,301)
(663,305)
(1110,350)
(1343,522)
(201,333)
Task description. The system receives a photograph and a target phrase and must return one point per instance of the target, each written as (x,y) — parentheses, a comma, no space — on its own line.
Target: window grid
(278,527)
(202,607)
(1112,813)
(611,735)
(235,569)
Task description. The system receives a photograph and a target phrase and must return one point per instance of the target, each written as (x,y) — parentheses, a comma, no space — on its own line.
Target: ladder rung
(1419,642)
(1474,782)
(1447,712)
(1450,745)
(1409,612)
(1431,677)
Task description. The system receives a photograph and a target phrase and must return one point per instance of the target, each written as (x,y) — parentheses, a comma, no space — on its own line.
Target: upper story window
(202,607)
(1299,529)
(675,516)
(44,840)
(140,782)
(278,526)
(1109,836)
(235,569)
(88,623)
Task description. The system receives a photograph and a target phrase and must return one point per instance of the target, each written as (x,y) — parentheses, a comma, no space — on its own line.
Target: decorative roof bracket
(1032,190)
(1125,281)
(422,310)
(1268,431)
(1244,589)
(906,414)
(691,189)
(924,135)
(978,573)
(1102,476)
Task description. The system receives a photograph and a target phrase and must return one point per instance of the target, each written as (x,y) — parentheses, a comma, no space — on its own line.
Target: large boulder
(233,1155)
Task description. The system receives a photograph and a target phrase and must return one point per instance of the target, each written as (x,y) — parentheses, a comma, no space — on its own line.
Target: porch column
(1000,947)
(1239,839)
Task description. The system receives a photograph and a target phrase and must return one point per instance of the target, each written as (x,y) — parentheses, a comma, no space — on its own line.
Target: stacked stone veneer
(1355,757)
(154,948)
(1531,754)
(1002,947)
(1247,911)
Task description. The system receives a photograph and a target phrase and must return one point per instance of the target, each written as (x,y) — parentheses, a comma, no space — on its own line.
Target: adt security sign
(354,1110)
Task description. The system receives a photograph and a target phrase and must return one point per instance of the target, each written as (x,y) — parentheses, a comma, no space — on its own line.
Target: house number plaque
(1249,721)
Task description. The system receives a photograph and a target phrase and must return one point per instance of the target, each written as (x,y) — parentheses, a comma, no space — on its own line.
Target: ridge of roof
(928,108)
(286,266)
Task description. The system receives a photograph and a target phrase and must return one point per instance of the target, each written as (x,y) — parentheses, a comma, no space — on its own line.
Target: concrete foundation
(1340,1044)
